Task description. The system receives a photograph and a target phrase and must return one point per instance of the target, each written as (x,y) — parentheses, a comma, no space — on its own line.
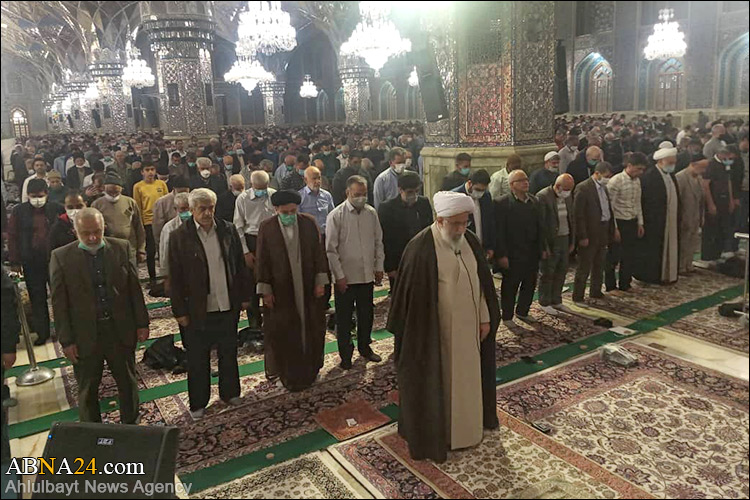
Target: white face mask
(563,194)
(603,181)
(477,194)
(38,202)
(408,162)
(358,202)
(205,174)
(72,212)
(111,199)
(399,168)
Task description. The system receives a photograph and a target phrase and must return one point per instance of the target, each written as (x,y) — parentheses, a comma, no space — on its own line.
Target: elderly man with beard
(444,315)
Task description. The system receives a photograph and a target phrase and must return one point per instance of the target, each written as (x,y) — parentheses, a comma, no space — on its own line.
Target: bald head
(319,164)
(593,153)
(90,228)
(312,178)
(237,182)
(564,182)
(519,183)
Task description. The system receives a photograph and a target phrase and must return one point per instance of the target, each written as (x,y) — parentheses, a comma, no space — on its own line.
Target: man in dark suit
(482,221)
(460,175)
(559,236)
(595,226)
(100,313)
(402,218)
(583,166)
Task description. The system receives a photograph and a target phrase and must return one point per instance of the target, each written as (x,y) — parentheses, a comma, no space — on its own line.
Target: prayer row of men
(292,247)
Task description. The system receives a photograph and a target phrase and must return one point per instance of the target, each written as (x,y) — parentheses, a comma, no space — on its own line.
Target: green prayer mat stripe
(238,467)
(58,362)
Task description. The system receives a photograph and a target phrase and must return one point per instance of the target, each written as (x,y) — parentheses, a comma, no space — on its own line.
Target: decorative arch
(20,121)
(321,106)
(733,73)
(388,102)
(414,107)
(593,80)
(667,84)
(338,106)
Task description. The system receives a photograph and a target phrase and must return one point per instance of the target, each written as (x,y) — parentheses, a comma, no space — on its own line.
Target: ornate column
(181,35)
(496,63)
(107,73)
(355,79)
(273,102)
(76,86)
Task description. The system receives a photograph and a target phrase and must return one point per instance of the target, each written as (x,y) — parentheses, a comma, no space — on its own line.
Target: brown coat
(74,302)
(588,214)
(285,357)
(188,271)
(550,219)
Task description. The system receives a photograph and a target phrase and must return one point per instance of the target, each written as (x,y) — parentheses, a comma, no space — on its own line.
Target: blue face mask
(302,172)
(728,163)
(185,216)
(260,193)
(191,164)
(93,249)
(466,171)
(593,163)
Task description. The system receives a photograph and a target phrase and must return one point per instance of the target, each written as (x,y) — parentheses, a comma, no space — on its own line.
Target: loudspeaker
(430,83)
(561,80)
(145,456)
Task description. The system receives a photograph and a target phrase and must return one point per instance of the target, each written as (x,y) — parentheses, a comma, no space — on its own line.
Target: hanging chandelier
(248,72)
(92,93)
(667,40)
(375,39)
(413,78)
(265,28)
(137,72)
(308,89)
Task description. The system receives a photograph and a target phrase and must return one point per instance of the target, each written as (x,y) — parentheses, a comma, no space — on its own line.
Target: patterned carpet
(673,428)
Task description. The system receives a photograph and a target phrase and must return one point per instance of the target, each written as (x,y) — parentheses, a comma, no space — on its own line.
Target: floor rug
(673,428)
(508,464)
(710,326)
(310,476)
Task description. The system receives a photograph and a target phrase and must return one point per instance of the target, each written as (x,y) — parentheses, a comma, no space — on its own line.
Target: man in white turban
(657,255)
(444,315)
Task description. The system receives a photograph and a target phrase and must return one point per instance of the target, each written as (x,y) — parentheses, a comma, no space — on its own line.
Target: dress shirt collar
(200,229)
(527,200)
(310,192)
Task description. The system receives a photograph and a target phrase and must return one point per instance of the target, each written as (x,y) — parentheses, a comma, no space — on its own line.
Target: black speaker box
(430,82)
(148,452)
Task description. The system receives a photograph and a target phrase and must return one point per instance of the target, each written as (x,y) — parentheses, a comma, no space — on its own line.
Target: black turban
(285,197)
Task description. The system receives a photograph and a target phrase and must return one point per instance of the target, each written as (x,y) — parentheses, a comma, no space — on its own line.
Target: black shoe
(596,295)
(626,288)
(346,364)
(371,356)
(41,341)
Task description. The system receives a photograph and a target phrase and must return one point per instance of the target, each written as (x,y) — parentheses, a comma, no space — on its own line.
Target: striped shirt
(625,196)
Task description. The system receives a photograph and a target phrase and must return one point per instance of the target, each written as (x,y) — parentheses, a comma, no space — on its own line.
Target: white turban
(660,154)
(450,203)
(665,144)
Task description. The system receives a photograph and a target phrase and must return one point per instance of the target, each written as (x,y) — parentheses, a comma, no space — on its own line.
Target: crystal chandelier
(667,41)
(92,93)
(265,28)
(136,73)
(308,89)
(375,39)
(413,78)
(248,72)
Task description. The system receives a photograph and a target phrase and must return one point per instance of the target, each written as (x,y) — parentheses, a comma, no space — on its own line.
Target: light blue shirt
(603,201)
(386,187)
(281,172)
(319,205)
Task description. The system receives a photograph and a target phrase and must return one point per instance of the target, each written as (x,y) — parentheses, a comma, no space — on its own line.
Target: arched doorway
(593,84)
(20,122)
(668,86)
(338,106)
(414,107)
(733,73)
(321,106)
(388,102)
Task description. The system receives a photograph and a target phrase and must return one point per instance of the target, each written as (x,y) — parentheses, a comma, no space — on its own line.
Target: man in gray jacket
(559,233)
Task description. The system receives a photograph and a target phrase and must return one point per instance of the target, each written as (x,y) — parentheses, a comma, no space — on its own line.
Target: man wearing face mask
(39,172)
(328,157)
(583,166)
(353,167)
(558,223)
(444,315)
(164,206)
(613,152)
(460,175)
(63,230)
(354,245)
(123,217)
(482,220)
(657,251)
(569,152)
(251,208)
(295,180)
(285,169)
(100,314)
(402,218)
(292,285)
(192,166)
(205,179)
(75,176)
(181,214)
(57,190)
(227,200)
(594,229)
(625,196)
(386,184)
(720,205)
(544,177)
(28,249)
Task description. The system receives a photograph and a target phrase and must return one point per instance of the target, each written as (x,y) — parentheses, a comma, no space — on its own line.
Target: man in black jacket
(228,199)
(209,284)
(402,218)
(205,179)
(28,247)
(339,180)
